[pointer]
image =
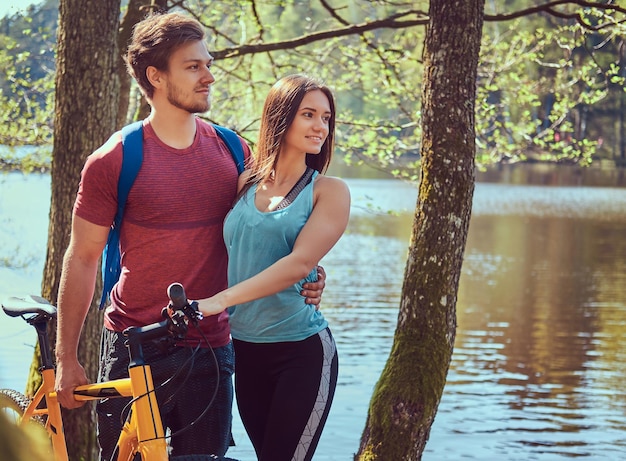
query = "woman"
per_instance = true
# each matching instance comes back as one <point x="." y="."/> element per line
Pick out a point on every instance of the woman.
<point x="287" y="217"/>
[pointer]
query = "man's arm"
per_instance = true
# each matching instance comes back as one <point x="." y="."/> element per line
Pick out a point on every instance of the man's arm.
<point x="76" y="289"/>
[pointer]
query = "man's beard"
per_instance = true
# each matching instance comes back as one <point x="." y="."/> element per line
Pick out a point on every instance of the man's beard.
<point x="175" y="99"/>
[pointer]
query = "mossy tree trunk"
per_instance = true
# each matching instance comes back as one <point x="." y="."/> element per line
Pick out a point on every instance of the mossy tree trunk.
<point x="407" y="395"/>
<point x="86" y="103"/>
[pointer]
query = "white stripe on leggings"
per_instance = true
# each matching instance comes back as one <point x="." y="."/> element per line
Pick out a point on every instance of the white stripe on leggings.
<point x="315" y="418"/>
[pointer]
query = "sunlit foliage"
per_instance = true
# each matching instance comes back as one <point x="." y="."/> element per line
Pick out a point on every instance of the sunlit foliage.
<point x="550" y="87"/>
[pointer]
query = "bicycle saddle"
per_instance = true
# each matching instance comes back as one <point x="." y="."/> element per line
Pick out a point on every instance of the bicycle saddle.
<point x="15" y="306"/>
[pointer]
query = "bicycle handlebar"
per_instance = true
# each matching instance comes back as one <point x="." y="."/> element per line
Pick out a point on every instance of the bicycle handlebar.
<point x="177" y="295"/>
<point x="178" y="314"/>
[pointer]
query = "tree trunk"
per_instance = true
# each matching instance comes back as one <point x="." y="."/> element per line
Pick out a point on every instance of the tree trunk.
<point x="86" y="102"/>
<point x="136" y="11"/>
<point x="620" y="158"/>
<point x="408" y="393"/>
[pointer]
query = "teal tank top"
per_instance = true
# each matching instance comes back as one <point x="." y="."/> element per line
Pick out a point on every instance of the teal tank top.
<point x="255" y="240"/>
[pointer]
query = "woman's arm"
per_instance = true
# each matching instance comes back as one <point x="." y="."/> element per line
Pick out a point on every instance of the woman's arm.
<point x="328" y="221"/>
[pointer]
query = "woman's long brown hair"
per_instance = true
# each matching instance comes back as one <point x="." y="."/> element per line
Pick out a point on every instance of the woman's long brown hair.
<point x="280" y="109"/>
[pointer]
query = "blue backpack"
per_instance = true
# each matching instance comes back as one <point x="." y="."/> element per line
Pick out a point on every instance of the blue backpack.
<point x="132" y="146"/>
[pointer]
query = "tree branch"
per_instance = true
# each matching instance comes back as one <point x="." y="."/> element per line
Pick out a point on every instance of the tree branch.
<point x="392" y="22"/>
<point x="549" y="8"/>
<point x="333" y="12"/>
<point x="419" y="18"/>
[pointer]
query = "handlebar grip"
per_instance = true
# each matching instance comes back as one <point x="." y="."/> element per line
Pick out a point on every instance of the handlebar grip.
<point x="177" y="295"/>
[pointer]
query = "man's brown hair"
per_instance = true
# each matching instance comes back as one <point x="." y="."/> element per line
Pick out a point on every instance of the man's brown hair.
<point x="154" y="40"/>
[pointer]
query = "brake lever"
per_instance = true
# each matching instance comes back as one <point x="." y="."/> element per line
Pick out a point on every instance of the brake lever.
<point x="192" y="312"/>
<point x="177" y="324"/>
<point x="180" y="303"/>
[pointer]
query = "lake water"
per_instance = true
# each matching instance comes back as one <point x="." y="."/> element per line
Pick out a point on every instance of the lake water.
<point x="539" y="363"/>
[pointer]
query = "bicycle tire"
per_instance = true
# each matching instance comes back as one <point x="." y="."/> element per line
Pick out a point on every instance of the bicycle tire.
<point x="14" y="404"/>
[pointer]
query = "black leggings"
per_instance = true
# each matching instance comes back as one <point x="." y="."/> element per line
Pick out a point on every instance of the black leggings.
<point x="284" y="392"/>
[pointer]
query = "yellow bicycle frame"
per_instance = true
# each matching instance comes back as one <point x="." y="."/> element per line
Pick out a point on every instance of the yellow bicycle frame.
<point x="54" y="423"/>
<point x="143" y="430"/>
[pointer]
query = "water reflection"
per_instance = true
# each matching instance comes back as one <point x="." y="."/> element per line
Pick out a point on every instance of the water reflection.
<point x="532" y="335"/>
<point x="540" y="353"/>
<point x="602" y="174"/>
<point x="539" y="360"/>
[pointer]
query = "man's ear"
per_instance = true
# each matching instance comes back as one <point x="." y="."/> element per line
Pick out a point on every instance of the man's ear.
<point x="154" y="75"/>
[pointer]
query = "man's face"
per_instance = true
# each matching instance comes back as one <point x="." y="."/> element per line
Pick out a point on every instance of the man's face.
<point x="189" y="78"/>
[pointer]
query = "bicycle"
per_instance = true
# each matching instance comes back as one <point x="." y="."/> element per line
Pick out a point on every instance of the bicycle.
<point x="143" y="436"/>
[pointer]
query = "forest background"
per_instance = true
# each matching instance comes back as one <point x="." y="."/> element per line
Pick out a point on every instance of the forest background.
<point x="547" y="86"/>
<point x="548" y="89"/>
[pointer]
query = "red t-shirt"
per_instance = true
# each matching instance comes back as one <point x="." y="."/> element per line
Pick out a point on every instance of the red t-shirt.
<point x="172" y="225"/>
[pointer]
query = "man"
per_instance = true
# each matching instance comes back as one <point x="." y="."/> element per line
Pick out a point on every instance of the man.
<point x="171" y="232"/>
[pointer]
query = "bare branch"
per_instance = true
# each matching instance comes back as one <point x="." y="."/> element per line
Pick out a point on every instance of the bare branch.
<point x="194" y="14"/>
<point x="257" y="19"/>
<point x="333" y="12"/>
<point x="392" y="22"/>
<point x="418" y="18"/>
<point x="549" y="8"/>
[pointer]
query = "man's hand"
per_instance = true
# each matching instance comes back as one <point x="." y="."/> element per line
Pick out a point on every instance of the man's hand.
<point x="312" y="291"/>
<point x="68" y="376"/>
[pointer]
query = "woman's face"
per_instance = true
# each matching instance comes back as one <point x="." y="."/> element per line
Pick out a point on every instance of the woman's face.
<point x="309" y="128"/>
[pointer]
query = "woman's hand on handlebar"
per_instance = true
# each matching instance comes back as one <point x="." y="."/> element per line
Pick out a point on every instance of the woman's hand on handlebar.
<point x="218" y="303"/>
<point x="69" y="375"/>
<point x="213" y="305"/>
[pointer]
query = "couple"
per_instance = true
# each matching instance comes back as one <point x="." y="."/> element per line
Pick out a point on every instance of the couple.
<point x="245" y="247"/>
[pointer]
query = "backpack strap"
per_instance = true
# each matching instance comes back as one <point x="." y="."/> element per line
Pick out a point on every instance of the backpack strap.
<point x="132" y="157"/>
<point x="232" y="141"/>
<point x="132" y="148"/>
